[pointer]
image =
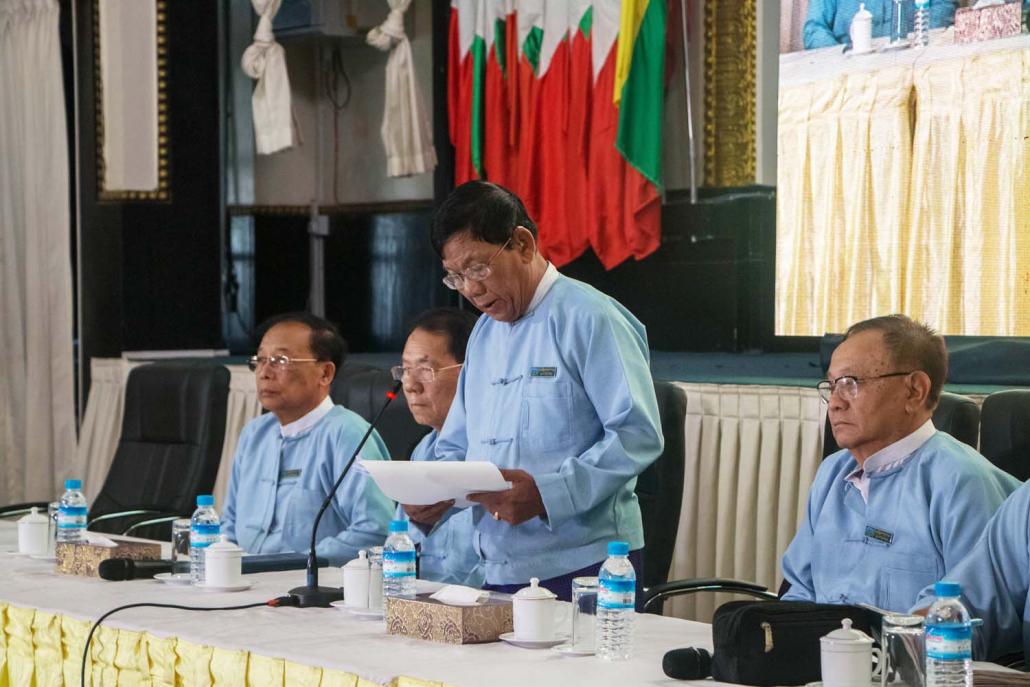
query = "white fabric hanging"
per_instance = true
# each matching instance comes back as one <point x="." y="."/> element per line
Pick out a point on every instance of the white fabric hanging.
<point x="406" y="133"/>
<point x="265" y="61"/>
<point x="37" y="412"/>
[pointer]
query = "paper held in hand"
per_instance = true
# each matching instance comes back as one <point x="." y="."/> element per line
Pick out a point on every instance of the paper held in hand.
<point x="422" y="483"/>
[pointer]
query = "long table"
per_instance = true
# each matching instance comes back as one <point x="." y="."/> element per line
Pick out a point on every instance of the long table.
<point x="44" y="618"/>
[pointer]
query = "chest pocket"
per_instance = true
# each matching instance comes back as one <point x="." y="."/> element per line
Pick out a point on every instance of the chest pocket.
<point x="546" y="415"/>
<point x="902" y="577"/>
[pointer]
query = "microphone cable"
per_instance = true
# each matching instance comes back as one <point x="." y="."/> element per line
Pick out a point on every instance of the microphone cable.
<point x="277" y="602"/>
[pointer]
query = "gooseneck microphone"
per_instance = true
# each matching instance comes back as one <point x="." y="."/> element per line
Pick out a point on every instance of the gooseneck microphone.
<point x="687" y="664"/>
<point x="311" y="595"/>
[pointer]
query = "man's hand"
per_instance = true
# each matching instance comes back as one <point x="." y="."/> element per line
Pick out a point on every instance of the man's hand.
<point x="428" y="515"/>
<point x="516" y="505"/>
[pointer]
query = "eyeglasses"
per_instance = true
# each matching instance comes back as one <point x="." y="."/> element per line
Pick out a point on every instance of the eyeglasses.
<point x="422" y="375"/>
<point x="278" y="362"/>
<point x="847" y="385"/>
<point x="477" y="272"/>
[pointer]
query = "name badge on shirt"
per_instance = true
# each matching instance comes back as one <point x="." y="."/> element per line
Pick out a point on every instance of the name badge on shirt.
<point x="879" y="535"/>
<point x="289" y="474"/>
<point x="543" y="372"/>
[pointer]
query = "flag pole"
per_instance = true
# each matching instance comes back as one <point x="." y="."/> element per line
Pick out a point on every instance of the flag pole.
<point x="692" y="154"/>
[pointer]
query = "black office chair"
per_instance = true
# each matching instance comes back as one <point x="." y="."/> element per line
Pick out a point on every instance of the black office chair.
<point x="1005" y="431"/>
<point x="955" y="414"/>
<point x="362" y="389"/>
<point x="169" y="450"/>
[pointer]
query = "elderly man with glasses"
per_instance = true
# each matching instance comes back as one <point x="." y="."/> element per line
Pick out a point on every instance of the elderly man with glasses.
<point x="288" y="459"/>
<point x="556" y="391"/>
<point x="902" y="503"/>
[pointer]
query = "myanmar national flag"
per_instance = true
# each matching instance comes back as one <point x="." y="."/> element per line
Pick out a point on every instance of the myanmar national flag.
<point x="496" y="21"/>
<point x="465" y="71"/>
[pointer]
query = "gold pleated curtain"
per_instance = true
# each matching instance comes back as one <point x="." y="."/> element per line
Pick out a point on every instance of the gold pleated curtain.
<point x="907" y="189"/>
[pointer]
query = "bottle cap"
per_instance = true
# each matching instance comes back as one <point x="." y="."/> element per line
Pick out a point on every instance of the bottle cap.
<point x="205" y="500"/>
<point x="618" y="548"/>
<point x="398" y="525"/>
<point x="73" y="484"/>
<point x="943" y="589"/>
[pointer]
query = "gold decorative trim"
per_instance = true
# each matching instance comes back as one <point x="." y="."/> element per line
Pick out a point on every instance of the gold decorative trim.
<point x="730" y="62"/>
<point x="163" y="191"/>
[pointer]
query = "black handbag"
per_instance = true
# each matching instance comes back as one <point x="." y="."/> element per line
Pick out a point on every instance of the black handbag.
<point x="777" y="642"/>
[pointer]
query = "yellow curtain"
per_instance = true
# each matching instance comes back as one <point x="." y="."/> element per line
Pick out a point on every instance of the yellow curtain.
<point x="907" y="189"/>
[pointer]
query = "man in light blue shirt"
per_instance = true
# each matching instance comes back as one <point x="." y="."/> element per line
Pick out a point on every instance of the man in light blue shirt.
<point x="431" y="361"/>
<point x="288" y="459"/>
<point x="902" y="503"/>
<point x="556" y="391"/>
<point x="995" y="579"/>
<point x="828" y="22"/>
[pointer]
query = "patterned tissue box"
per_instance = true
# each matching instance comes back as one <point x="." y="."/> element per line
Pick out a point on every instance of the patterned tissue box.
<point x="987" y="23"/>
<point x="84" y="559"/>
<point x="425" y="618"/>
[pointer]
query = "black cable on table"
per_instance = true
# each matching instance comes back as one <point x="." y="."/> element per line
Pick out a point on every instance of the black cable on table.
<point x="274" y="603"/>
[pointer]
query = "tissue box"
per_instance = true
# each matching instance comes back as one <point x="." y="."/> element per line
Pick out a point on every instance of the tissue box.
<point x="84" y="559"/>
<point x="425" y="618"/>
<point x="986" y="23"/>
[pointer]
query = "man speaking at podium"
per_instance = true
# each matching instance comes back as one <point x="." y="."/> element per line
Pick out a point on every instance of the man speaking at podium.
<point x="556" y="391"/>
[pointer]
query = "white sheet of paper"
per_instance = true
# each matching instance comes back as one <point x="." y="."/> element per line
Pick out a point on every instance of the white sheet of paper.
<point x="422" y="483"/>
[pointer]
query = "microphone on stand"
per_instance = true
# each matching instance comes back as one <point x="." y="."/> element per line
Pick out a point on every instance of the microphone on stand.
<point x="311" y="595"/>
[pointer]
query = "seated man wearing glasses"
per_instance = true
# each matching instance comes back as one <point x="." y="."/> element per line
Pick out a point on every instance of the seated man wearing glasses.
<point x="432" y="358"/>
<point x="902" y="503"/>
<point x="556" y="391"/>
<point x="288" y="459"/>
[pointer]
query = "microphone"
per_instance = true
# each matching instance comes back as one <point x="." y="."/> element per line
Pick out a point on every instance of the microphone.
<point x="687" y="664"/>
<point x="311" y="595"/>
<point x="118" y="569"/>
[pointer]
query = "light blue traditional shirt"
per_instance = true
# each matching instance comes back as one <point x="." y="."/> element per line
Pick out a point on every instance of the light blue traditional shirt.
<point x="564" y="393"/>
<point x="923" y="514"/>
<point x="281" y="475"/>
<point x="995" y="579"/>
<point x="828" y="22"/>
<point x="446" y="551"/>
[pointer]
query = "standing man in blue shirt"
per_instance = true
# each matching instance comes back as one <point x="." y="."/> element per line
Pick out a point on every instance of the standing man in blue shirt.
<point x="556" y="391"/>
<point x="900" y="505"/>
<point x="288" y="459"/>
<point x="430" y="364"/>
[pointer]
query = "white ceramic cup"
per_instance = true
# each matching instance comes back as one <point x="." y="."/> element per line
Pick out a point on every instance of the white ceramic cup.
<point x="34" y="534"/>
<point x="533" y="612"/>
<point x="356" y="578"/>
<point x="846" y="658"/>
<point x="223" y="564"/>
<point x="861" y="30"/>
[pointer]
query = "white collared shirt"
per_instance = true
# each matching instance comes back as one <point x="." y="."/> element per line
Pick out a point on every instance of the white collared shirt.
<point x="890" y="456"/>
<point x="546" y="282"/>
<point x="303" y="424"/>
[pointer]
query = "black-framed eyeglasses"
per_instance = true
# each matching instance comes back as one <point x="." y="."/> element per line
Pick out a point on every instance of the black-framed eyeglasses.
<point x="278" y="362"/>
<point x="847" y="386"/>
<point x="421" y="374"/>
<point x="478" y="272"/>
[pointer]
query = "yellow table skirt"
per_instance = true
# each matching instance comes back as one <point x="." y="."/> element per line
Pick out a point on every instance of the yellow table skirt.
<point x="39" y="649"/>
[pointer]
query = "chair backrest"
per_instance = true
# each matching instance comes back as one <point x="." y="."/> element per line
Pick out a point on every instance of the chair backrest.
<point x="362" y="389"/>
<point x="170" y="445"/>
<point x="660" y="487"/>
<point x="1005" y="431"/>
<point x="955" y="414"/>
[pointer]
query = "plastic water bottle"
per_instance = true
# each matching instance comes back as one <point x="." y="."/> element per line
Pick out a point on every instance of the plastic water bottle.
<point x="205" y="528"/>
<point x="922" y="23"/>
<point x="949" y="635"/>
<point x="399" y="562"/>
<point x="71" y="516"/>
<point x="616" y="592"/>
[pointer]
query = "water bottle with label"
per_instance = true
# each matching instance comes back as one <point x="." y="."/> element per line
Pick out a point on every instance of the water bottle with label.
<point x="949" y="639"/>
<point x="616" y="596"/>
<point x="71" y="515"/>
<point x="205" y="527"/>
<point x="399" y="562"/>
<point x="922" y="23"/>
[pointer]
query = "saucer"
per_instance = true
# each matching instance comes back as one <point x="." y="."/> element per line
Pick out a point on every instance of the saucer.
<point x="369" y="613"/>
<point x="177" y="579"/>
<point x="509" y="637"/>
<point x="43" y="557"/>
<point x="233" y="588"/>
<point x="570" y="650"/>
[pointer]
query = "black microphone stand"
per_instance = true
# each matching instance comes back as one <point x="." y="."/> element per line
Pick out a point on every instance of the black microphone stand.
<point x="312" y="595"/>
